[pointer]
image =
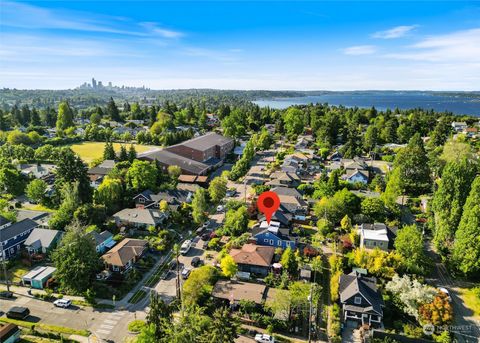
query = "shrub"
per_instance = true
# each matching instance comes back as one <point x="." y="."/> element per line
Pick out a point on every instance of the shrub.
<point x="136" y="326"/>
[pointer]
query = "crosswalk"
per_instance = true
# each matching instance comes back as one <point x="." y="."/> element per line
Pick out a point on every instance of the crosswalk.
<point x="109" y="323"/>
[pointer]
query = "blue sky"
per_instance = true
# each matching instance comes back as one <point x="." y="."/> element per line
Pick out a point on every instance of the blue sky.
<point x="332" y="45"/>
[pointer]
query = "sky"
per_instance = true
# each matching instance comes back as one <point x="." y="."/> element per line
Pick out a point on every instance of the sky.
<point x="311" y="45"/>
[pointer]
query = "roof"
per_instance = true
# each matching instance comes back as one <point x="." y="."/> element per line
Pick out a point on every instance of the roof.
<point x="125" y="251"/>
<point x="239" y="290"/>
<point x="354" y="284"/>
<point x="352" y="172"/>
<point x="17" y="228"/>
<point x="206" y="141"/>
<point x="39" y="273"/>
<point x="175" y="196"/>
<point x="33" y="215"/>
<point x="171" y="159"/>
<point x="101" y="237"/>
<point x="3" y="221"/>
<point x="254" y="255"/>
<point x="39" y="238"/>
<point x="140" y="215"/>
<point x="189" y="187"/>
<point x="7" y="330"/>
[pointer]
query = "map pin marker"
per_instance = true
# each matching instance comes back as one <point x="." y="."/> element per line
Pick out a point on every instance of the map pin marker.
<point x="267" y="203"/>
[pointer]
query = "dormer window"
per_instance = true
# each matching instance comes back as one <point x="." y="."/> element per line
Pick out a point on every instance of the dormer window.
<point x="141" y="200"/>
<point x="357" y="300"/>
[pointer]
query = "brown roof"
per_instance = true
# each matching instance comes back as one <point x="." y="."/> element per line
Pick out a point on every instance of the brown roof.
<point x="7" y="330"/>
<point x="125" y="251"/>
<point x="187" y="178"/>
<point x="239" y="290"/>
<point x="252" y="254"/>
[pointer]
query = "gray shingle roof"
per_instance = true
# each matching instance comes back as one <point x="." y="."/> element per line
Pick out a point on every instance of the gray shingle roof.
<point x="101" y="237"/>
<point x="3" y="221"/>
<point x="206" y="141"/>
<point x="42" y="238"/>
<point x="354" y="284"/>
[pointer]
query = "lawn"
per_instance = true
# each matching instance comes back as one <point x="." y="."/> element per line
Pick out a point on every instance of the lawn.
<point x="471" y="297"/>
<point x="90" y="151"/>
<point x="16" y="271"/>
<point x="37" y="207"/>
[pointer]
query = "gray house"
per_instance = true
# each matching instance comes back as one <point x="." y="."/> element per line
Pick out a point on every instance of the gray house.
<point x="360" y="300"/>
<point x="41" y="241"/>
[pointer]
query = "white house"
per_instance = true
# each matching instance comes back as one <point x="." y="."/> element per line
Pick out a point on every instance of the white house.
<point x="373" y="236"/>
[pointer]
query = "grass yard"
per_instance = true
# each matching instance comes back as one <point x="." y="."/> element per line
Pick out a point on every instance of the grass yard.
<point x="471" y="297"/>
<point x="90" y="151"/>
<point x="37" y="207"/>
<point x="16" y="271"/>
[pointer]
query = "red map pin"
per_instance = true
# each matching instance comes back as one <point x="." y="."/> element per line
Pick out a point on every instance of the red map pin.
<point x="267" y="203"/>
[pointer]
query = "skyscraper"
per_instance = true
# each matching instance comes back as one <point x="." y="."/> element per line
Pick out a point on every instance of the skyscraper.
<point x="94" y="83"/>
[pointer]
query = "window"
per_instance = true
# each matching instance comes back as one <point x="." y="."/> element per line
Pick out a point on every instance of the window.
<point x="357" y="300"/>
<point x="141" y="200"/>
<point x="265" y="240"/>
<point x="271" y="242"/>
<point x="279" y="243"/>
<point x="374" y="244"/>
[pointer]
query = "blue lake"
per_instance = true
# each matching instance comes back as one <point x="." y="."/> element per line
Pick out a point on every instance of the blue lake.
<point x="457" y="104"/>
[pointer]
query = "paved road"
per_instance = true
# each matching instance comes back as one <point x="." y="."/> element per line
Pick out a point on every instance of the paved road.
<point x="466" y="328"/>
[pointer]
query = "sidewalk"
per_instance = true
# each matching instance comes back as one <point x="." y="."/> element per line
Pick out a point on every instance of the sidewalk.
<point x="24" y="292"/>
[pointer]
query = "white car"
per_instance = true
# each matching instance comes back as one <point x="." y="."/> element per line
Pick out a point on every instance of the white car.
<point x="62" y="303"/>
<point x="185" y="247"/>
<point x="220" y="208"/>
<point x="186" y="273"/>
<point x="264" y="338"/>
<point x="446" y="292"/>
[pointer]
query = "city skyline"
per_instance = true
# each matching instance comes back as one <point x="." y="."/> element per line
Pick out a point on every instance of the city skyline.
<point x="249" y="45"/>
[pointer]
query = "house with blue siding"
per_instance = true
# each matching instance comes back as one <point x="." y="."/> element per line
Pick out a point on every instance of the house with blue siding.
<point x="13" y="235"/>
<point x="273" y="235"/>
<point x="103" y="240"/>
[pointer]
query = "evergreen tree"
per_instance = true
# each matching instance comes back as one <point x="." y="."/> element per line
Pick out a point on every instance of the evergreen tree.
<point x="123" y="156"/>
<point x="449" y="199"/>
<point x="112" y="110"/>
<point x="199" y="206"/>
<point x="160" y="314"/>
<point x="223" y="328"/>
<point x="466" y="249"/>
<point x="65" y="116"/>
<point x="35" y="118"/>
<point x="132" y="153"/>
<point x="109" y="152"/>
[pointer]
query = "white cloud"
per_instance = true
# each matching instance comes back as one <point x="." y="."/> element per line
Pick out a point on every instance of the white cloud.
<point x="395" y="32"/>
<point x="360" y="50"/>
<point x="155" y="29"/>
<point x="459" y="47"/>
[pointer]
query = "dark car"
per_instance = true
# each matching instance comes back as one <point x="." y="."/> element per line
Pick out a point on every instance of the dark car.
<point x="196" y="261"/>
<point x="173" y="265"/>
<point x="206" y="236"/>
<point x="18" y="312"/>
<point x="6" y="295"/>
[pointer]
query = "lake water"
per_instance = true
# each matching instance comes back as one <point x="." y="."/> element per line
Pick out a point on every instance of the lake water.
<point x="457" y="104"/>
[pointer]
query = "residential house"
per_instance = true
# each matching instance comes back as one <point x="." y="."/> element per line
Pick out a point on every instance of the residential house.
<point x="283" y="179"/>
<point x="303" y="142"/>
<point x="459" y="126"/>
<point x="37" y="171"/>
<point x="42" y="241"/>
<point x="376" y="235"/>
<point x="9" y="333"/>
<point x="13" y="235"/>
<point x="40" y="217"/>
<point x="96" y="174"/>
<point x="253" y="259"/>
<point x="139" y="218"/>
<point x="102" y="240"/>
<point x="212" y="119"/>
<point x="273" y="235"/>
<point x="210" y="148"/>
<point x="471" y="132"/>
<point x="355" y="175"/>
<point x="360" y="300"/>
<point x="292" y="202"/>
<point x="174" y="198"/>
<point x="235" y="291"/>
<point x="123" y="256"/>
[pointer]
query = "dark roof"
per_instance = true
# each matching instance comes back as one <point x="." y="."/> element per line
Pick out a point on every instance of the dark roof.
<point x="172" y="197"/>
<point x="282" y="233"/>
<point x="279" y="216"/>
<point x="3" y="221"/>
<point x="42" y="238"/>
<point x="206" y="141"/>
<point x="17" y="228"/>
<point x="99" y="171"/>
<point x="355" y="283"/>
<point x="101" y="237"/>
<point x="171" y="159"/>
<point x="33" y="215"/>
<point x="7" y="330"/>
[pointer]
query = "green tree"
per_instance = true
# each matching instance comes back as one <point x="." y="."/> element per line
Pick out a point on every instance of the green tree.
<point x="17" y="137"/>
<point x="36" y="190"/>
<point x="109" y="152"/>
<point x="199" y="206"/>
<point x="160" y="313"/>
<point x="293" y="119"/>
<point x="449" y="199"/>
<point x="229" y="267"/>
<point x="199" y="285"/>
<point x="374" y="208"/>
<point x="11" y="181"/>
<point x="112" y="110"/>
<point x="409" y="244"/>
<point x="289" y="261"/>
<point x="70" y="202"/>
<point x="393" y="189"/>
<point x="217" y="189"/>
<point x="110" y="192"/>
<point x="466" y="248"/>
<point x="370" y="139"/>
<point x="174" y="172"/>
<point x="142" y="175"/>
<point x="132" y="153"/>
<point x="346" y="223"/>
<point x="123" y="156"/>
<point x="64" y="117"/>
<point x="236" y="221"/>
<point x="76" y="260"/>
<point x="223" y="327"/>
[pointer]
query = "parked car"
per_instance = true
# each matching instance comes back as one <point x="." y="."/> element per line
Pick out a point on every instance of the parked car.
<point x="185" y="247"/>
<point x="186" y="273"/>
<point x="220" y="208"/>
<point x="6" y="295"/>
<point x="165" y="275"/>
<point x="264" y="338"/>
<point x="231" y="192"/>
<point x="18" y="312"/>
<point x="173" y="265"/>
<point x="196" y="261"/>
<point x="62" y="303"/>
<point x="206" y="224"/>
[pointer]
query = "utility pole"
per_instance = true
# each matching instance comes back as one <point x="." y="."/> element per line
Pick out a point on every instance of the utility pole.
<point x="310" y="300"/>
<point x="4" y="265"/>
